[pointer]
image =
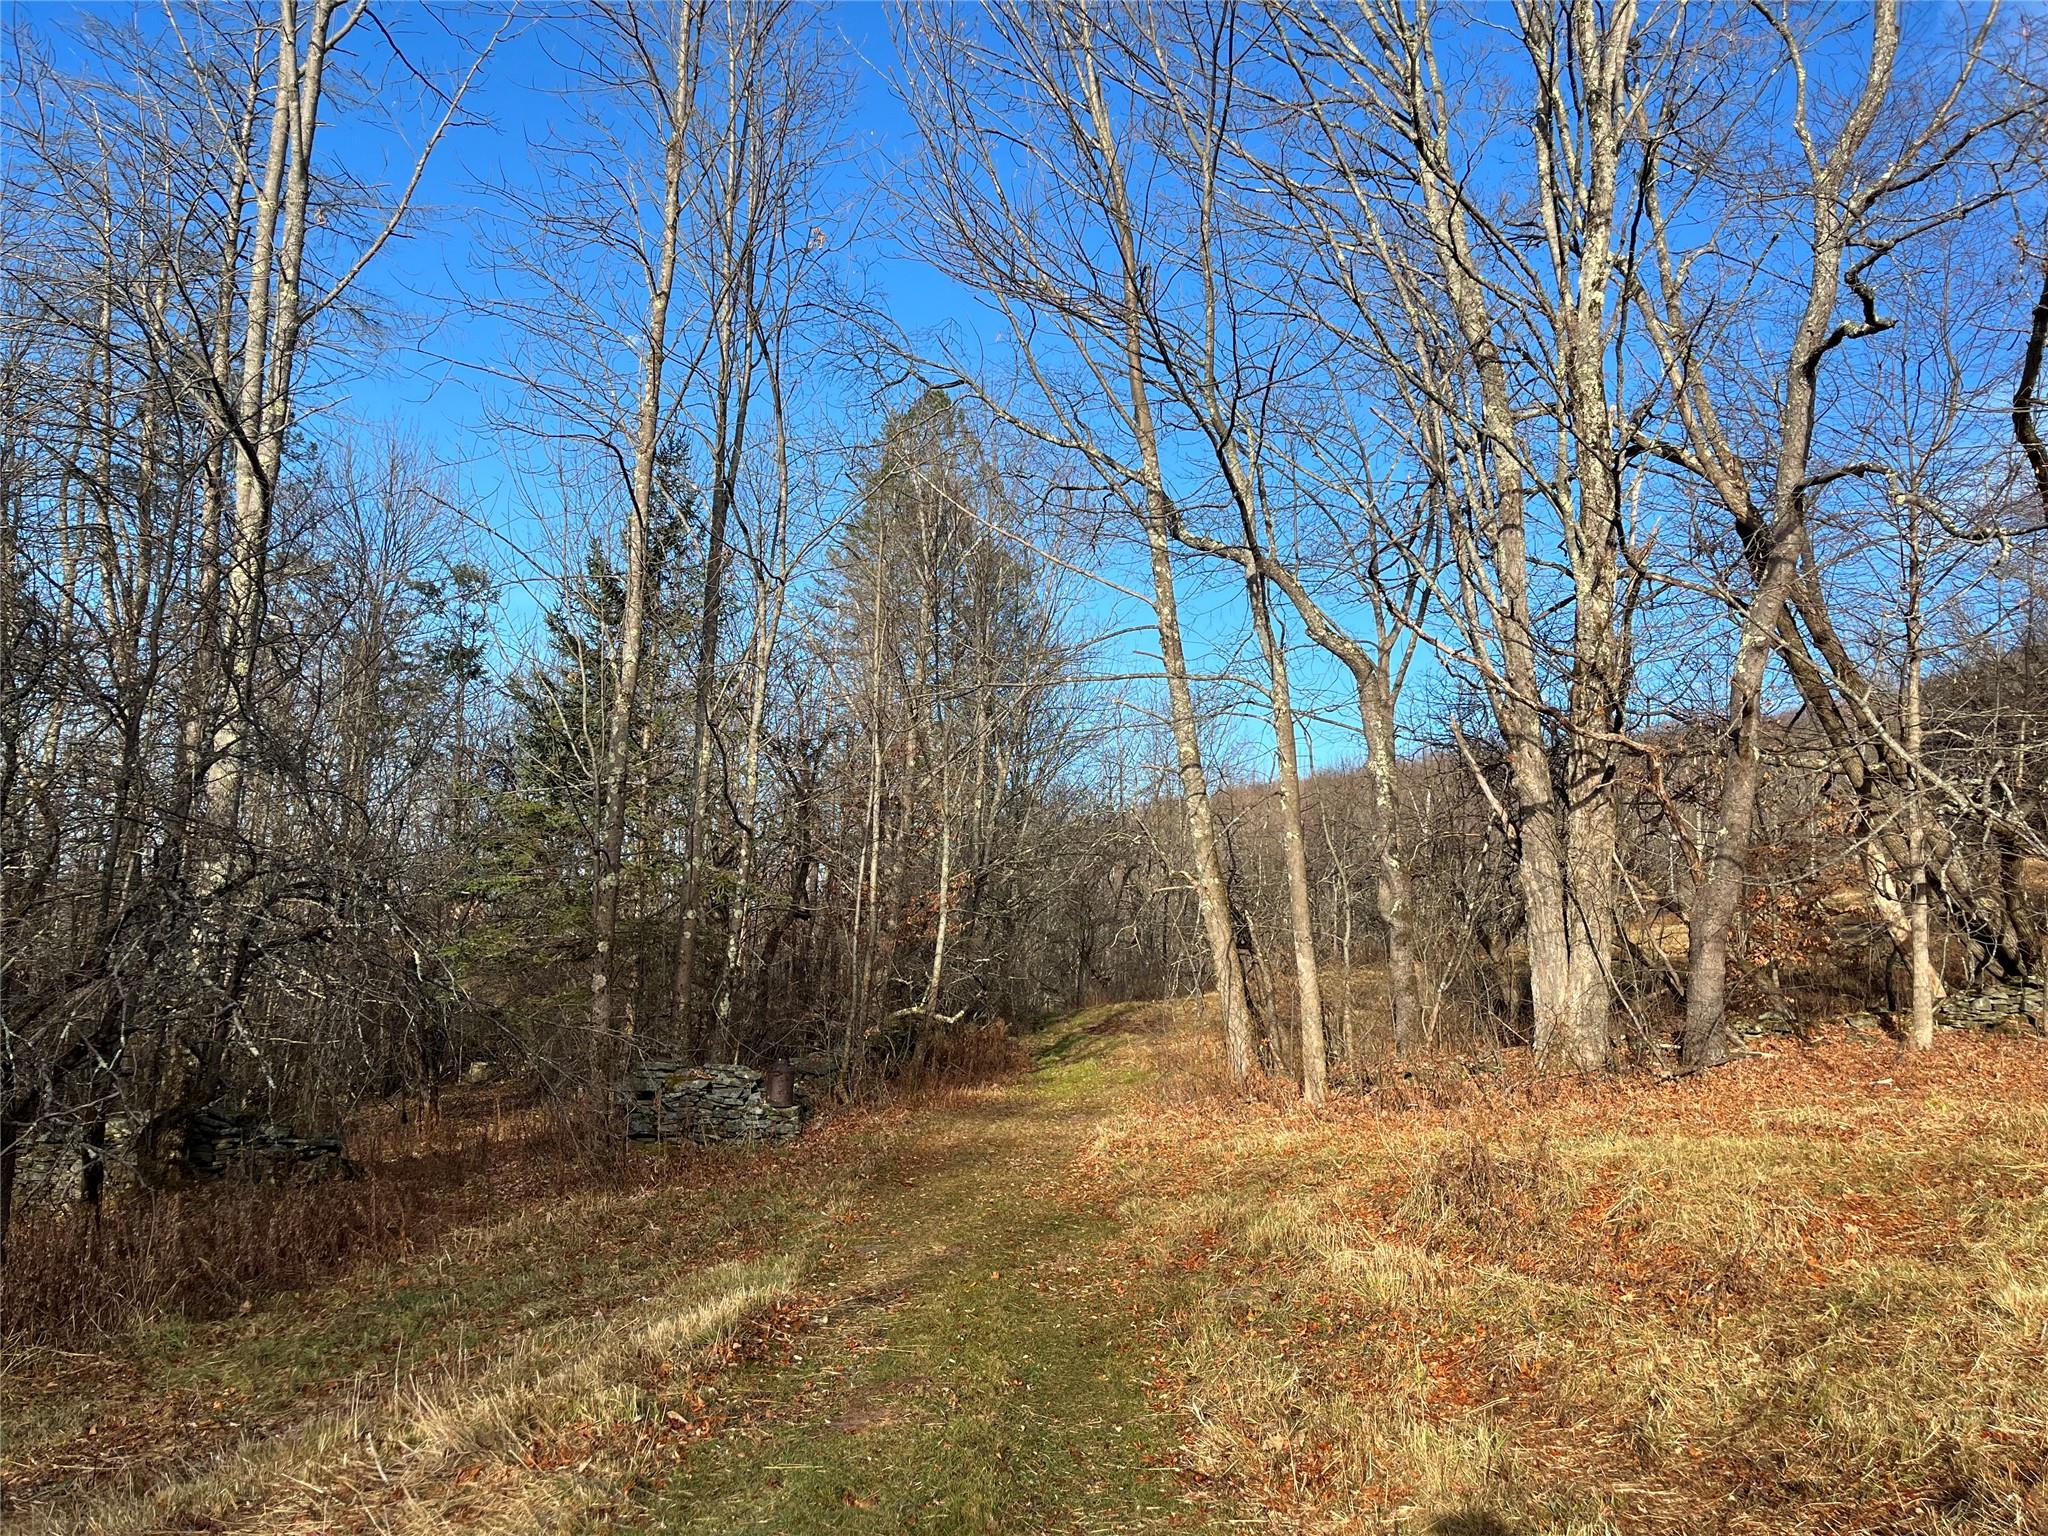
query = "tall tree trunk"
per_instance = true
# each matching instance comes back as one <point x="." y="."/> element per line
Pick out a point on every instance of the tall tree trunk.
<point x="1307" y="976"/>
<point x="1920" y="1023"/>
<point x="615" y="763"/>
<point x="258" y="416"/>
<point x="1211" y="892"/>
<point x="735" y="306"/>
<point x="248" y="420"/>
<point x="767" y="612"/>
<point x="703" y="689"/>
<point x="1556" y="1002"/>
<point x="1775" y="545"/>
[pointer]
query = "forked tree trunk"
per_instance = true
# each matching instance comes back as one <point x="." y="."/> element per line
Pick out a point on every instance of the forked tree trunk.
<point x="1560" y="1001"/>
<point x="1564" y="847"/>
<point x="1391" y="887"/>
<point x="1775" y="559"/>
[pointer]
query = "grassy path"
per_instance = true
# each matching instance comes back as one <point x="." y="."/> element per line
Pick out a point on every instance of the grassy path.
<point x="905" y="1323"/>
<point x="973" y="1364"/>
<point x="1806" y="1295"/>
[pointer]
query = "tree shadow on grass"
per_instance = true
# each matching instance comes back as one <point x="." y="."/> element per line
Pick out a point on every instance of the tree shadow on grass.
<point x="1087" y="1035"/>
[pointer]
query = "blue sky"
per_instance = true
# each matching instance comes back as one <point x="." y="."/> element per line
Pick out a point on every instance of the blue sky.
<point x="430" y="376"/>
<point x="428" y="381"/>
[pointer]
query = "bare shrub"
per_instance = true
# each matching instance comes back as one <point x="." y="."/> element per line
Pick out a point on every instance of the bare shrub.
<point x="1499" y="1199"/>
<point x="961" y="1056"/>
<point x="205" y="1251"/>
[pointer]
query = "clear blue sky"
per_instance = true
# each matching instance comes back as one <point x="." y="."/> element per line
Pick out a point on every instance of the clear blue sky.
<point x="431" y="379"/>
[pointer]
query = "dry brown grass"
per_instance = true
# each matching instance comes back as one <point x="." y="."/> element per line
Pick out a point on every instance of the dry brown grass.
<point x="73" y="1275"/>
<point x="536" y="1436"/>
<point x="1808" y="1293"/>
<point x="1805" y="1294"/>
<point x="958" y="1057"/>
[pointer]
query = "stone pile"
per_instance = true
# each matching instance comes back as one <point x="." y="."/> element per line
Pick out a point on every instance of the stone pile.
<point x="816" y="1072"/>
<point x="51" y="1167"/>
<point x="222" y="1143"/>
<point x="215" y="1144"/>
<point x="675" y="1101"/>
<point x="2014" y="1005"/>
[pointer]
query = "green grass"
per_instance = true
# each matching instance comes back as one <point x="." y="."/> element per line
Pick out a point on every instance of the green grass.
<point x="907" y="1323"/>
<point x="989" y="1377"/>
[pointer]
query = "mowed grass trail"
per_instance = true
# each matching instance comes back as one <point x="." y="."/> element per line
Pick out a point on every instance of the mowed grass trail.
<point x="976" y="1361"/>
<point x="1807" y="1293"/>
<point x="909" y="1322"/>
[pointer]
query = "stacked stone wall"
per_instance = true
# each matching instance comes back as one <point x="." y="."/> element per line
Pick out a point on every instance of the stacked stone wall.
<point x="2015" y="1006"/>
<point x="724" y="1102"/>
<point x="210" y="1145"/>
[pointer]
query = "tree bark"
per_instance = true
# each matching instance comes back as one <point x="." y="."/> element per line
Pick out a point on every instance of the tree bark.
<point x="615" y="763"/>
<point x="1212" y="894"/>
<point x="1775" y="560"/>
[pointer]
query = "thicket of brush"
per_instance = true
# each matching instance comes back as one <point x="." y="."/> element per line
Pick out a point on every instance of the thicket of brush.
<point x="77" y="1272"/>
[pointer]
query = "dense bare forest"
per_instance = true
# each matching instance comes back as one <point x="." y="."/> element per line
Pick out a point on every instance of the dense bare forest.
<point x="534" y="542"/>
<point x="1636" y="459"/>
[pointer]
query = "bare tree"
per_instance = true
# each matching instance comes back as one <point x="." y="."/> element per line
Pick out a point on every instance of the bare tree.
<point x="1079" y="265"/>
<point x="1855" y="193"/>
<point x="764" y="149"/>
<point x="1490" y="335"/>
